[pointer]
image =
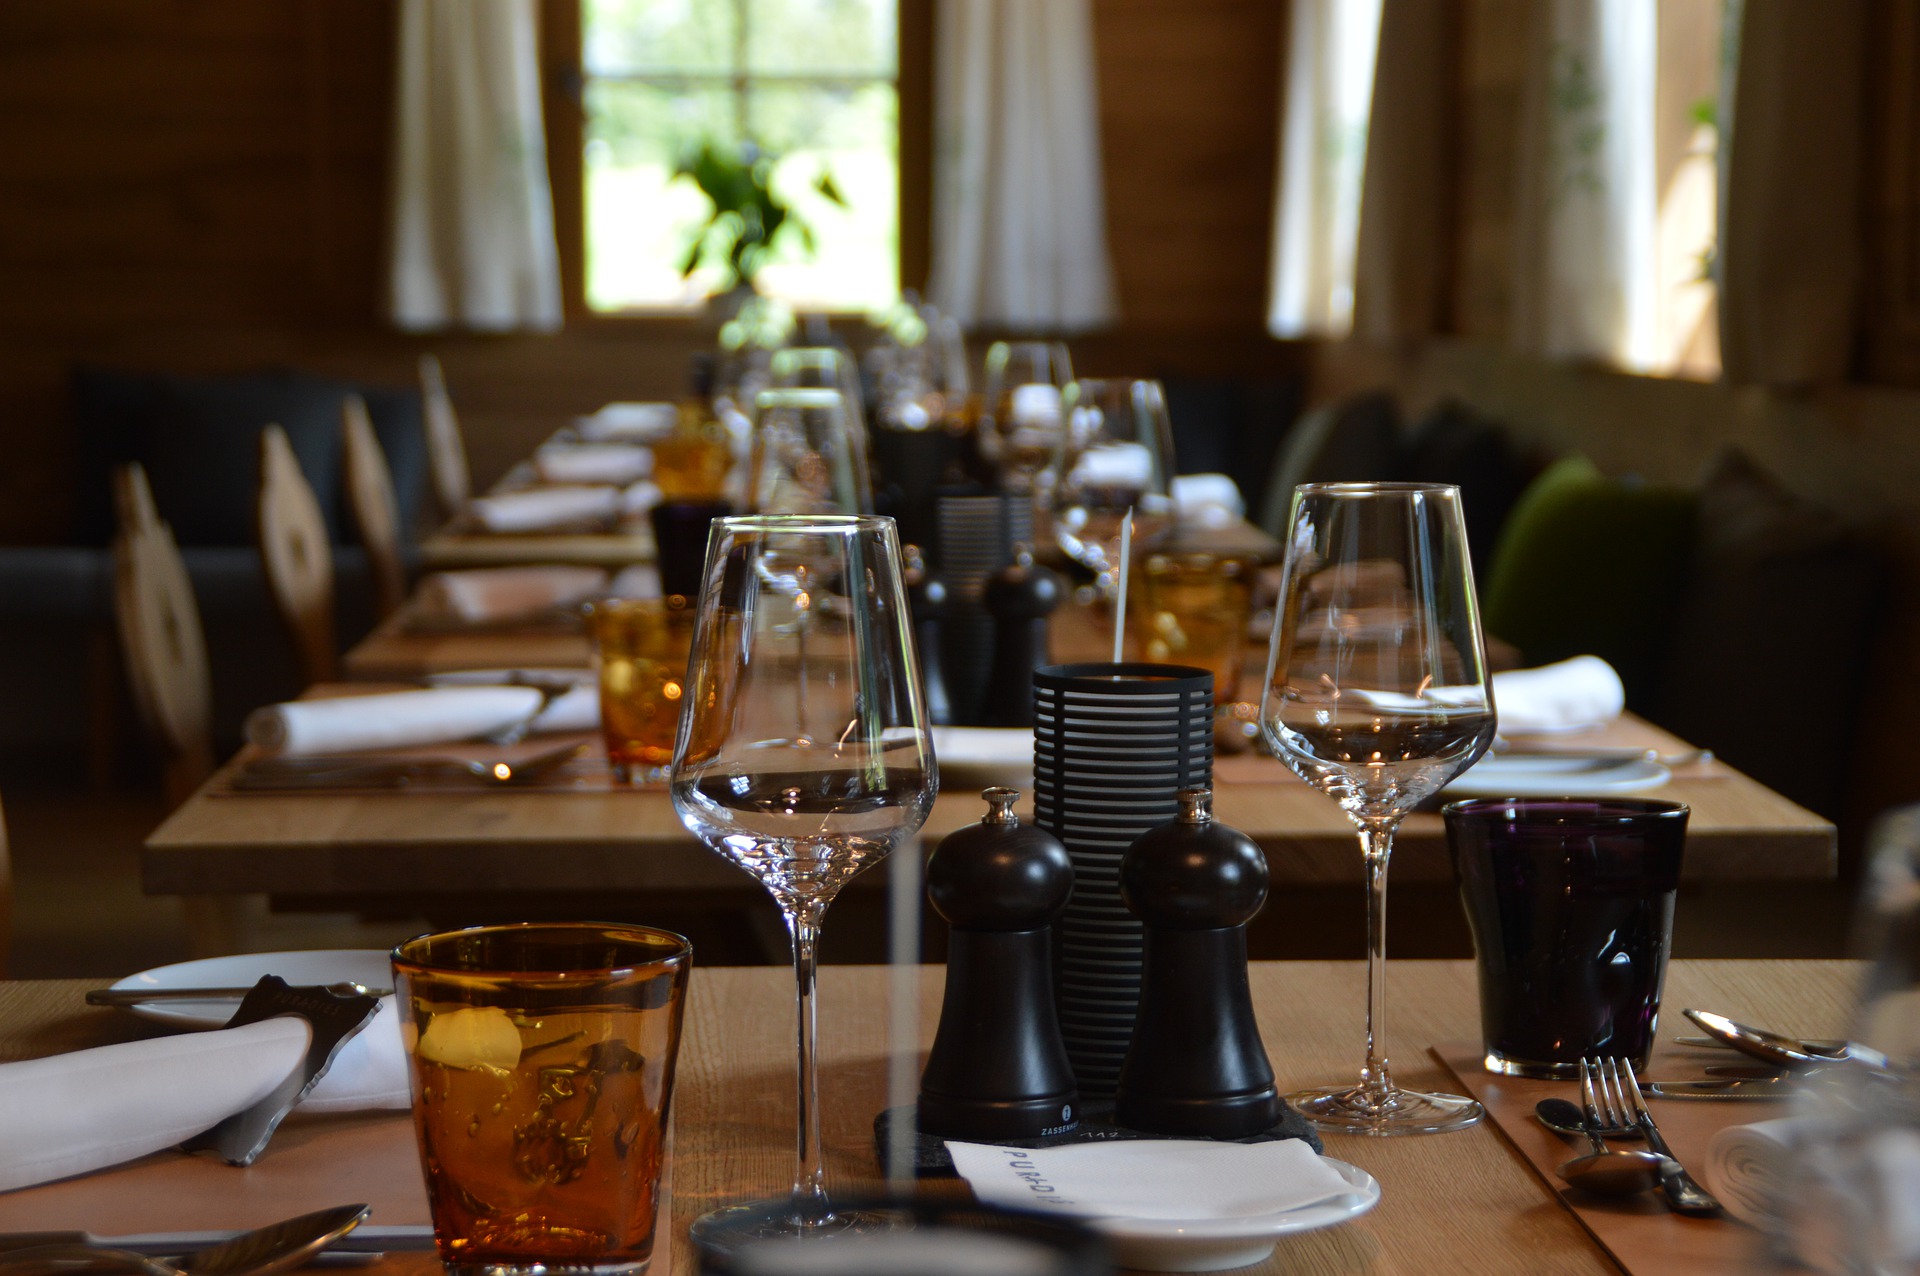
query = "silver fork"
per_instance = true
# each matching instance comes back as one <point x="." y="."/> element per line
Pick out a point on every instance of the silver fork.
<point x="1621" y="1101"/>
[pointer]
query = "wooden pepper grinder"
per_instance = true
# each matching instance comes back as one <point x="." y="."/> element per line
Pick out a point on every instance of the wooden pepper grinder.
<point x="1196" y="1065"/>
<point x="998" y="1069"/>
<point x="927" y="601"/>
<point x="1020" y="597"/>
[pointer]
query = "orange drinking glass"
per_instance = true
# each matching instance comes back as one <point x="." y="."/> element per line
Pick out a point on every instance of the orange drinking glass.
<point x="641" y="645"/>
<point x="542" y="1061"/>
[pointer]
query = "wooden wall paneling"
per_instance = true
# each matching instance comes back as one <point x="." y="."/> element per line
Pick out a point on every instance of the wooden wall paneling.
<point x="1891" y="307"/>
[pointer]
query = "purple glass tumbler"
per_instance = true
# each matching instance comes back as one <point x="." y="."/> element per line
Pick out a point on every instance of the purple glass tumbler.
<point x="1570" y="901"/>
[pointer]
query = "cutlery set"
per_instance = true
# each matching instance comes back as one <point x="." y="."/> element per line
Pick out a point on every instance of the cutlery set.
<point x="357" y="771"/>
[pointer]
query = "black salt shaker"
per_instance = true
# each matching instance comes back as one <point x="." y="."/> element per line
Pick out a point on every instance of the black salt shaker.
<point x="1196" y="1065"/>
<point x="1020" y="597"/>
<point x="998" y="1069"/>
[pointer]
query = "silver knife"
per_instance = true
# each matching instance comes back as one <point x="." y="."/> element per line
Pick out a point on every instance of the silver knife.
<point x="364" y="1244"/>
<point x="1745" y="1089"/>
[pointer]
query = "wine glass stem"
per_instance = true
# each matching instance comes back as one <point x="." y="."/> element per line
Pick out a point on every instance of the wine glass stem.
<point x="810" y="1203"/>
<point x="1376" y="845"/>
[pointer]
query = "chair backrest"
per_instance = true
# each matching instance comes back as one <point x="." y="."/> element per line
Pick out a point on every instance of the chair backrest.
<point x="446" y="449"/>
<point x="375" y="512"/>
<point x="297" y="556"/>
<point x="160" y="635"/>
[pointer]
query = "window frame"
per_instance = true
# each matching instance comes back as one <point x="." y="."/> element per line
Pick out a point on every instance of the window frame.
<point x="563" y="91"/>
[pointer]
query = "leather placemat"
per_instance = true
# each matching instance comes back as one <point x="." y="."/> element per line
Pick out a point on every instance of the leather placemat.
<point x="1641" y="1234"/>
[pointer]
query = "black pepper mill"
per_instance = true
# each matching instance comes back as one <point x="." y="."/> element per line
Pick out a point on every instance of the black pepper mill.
<point x="1020" y="597"/>
<point x="927" y="601"/>
<point x="998" y="1069"/>
<point x="1196" y="1065"/>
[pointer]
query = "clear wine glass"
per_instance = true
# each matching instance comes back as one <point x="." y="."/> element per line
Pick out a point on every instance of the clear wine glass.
<point x="803" y="757"/>
<point x="1377" y="695"/>
<point x="1115" y="454"/>
<point x="820" y="367"/>
<point x="808" y="457"/>
<point x="1021" y="421"/>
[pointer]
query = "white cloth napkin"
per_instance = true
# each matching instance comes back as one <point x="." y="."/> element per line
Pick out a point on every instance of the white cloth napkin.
<point x="1207" y="500"/>
<point x="1010" y="747"/>
<point x="502" y="593"/>
<point x="1750" y="1168"/>
<point x="1114" y="465"/>
<point x="575" y="710"/>
<point x="77" y="1112"/>
<point x="639" y="497"/>
<point x="1035" y="405"/>
<point x="616" y="463"/>
<point x="1580" y="692"/>
<point x="388" y="720"/>
<point x="1151" y="1178"/>
<point x="635" y="422"/>
<point x="540" y="508"/>
<point x="642" y="580"/>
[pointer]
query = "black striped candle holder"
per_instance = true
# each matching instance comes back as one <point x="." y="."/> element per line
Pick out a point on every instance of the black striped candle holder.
<point x="1113" y="746"/>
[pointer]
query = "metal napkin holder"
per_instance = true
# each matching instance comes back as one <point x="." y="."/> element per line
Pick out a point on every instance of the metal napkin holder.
<point x="334" y="1017"/>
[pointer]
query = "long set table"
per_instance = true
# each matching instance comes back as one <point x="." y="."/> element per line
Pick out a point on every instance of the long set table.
<point x="1462" y="1202"/>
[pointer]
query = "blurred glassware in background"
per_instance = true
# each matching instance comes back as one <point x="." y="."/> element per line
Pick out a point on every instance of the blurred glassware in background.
<point x="808" y="457"/>
<point x="1020" y="418"/>
<point x="1192" y="609"/>
<point x="820" y="367"/>
<point x="1113" y="455"/>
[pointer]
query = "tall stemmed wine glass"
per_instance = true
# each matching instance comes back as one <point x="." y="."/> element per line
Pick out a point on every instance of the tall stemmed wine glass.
<point x="1115" y="456"/>
<point x="808" y="457"/>
<point x="803" y="757"/>
<point x="1377" y="695"/>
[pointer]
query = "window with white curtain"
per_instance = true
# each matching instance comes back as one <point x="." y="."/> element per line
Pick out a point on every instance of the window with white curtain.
<point x="812" y="83"/>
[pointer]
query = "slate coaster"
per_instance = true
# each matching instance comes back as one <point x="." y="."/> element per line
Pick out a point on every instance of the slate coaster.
<point x="930" y="1159"/>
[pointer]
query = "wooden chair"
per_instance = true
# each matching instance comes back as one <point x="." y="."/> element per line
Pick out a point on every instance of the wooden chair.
<point x="375" y="512"/>
<point x="446" y="449"/>
<point x="160" y="636"/>
<point x="298" y="558"/>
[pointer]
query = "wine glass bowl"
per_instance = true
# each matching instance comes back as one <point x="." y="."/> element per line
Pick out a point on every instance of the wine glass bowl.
<point x="1021" y="421"/>
<point x="803" y="757"/>
<point x="1377" y="695"/>
<point x="808" y="455"/>
<point x="1114" y="456"/>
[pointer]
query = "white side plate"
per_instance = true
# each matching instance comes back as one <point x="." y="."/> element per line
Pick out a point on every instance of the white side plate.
<point x="1537" y="776"/>
<point x="1215" y="1244"/>
<point x="368" y="966"/>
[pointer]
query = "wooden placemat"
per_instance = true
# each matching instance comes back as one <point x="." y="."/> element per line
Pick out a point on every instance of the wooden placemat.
<point x="1641" y="1234"/>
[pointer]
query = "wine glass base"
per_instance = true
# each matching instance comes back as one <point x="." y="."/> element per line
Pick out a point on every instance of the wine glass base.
<point x="726" y="1231"/>
<point x="1351" y="1110"/>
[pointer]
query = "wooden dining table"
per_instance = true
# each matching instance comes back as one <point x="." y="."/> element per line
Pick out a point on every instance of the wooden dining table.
<point x="1472" y="1201"/>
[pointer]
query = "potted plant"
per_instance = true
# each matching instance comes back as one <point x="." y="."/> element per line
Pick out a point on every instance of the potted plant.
<point x="747" y="216"/>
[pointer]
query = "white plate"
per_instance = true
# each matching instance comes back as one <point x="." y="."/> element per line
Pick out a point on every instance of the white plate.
<point x="1214" y="1244"/>
<point x="1536" y="776"/>
<point x="367" y="966"/>
<point x="981" y="757"/>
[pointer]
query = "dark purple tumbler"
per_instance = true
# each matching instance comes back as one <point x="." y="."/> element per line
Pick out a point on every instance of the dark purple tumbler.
<point x="1571" y="905"/>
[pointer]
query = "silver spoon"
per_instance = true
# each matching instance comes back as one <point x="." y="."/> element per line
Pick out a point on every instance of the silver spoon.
<point x="1782" y="1051"/>
<point x="1606" y="1171"/>
<point x="1564" y="1118"/>
<point x="276" y="1247"/>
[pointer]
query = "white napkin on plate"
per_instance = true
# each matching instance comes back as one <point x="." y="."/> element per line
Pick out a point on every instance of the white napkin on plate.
<point x="83" y="1111"/>
<point x="638" y="422"/>
<point x="1207" y="500"/>
<point x="1750" y="1168"/>
<point x="617" y="463"/>
<point x="641" y="580"/>
<point x="388" y="720"/>
<point x="638" y="498"/>
<point x="1151" y="1178"/>
<point x="1114" y="465"/>
<point x="1581" y="692"/>
<point x="575" y="710"/>
<point x="503" y="593"/>
<point x="542" y="508"/>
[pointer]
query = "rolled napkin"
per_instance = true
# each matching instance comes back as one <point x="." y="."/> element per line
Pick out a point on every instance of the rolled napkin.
<point x="388" y="720"/>
<point x="1207" y="500"/>
<point x="642" y="580"/>
<point x="616" y="463"/>
<point x="575" y="710"/>
<point x="1580" y="692"/>
<point x="83" y="1111"/>
<point x="628" y="422"/>
<point x="1751" y="1168"/>
<point x="543" y="508"/>
<point x="1121" y="465"/>
<point x="1035" y="405"/>
<point x="1151" y="1178"/>
<point x="638" y="498"/>
<point x="503" y="593"/>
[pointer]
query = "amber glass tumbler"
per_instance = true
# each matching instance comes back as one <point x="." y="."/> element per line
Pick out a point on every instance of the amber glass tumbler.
<point x="641" y="645"/>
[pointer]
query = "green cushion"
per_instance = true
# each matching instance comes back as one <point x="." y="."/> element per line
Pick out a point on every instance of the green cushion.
<point x="1592" y="565"/>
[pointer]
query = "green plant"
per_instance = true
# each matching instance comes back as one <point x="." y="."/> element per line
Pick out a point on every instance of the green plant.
<point x="747" y="215"/>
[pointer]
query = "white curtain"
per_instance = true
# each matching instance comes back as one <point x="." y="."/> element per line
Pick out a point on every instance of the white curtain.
<point x="1019" y="219"/>
<point x="1585" y="278"/>
<point x="1327" y="87"/>
<point x="472" y="215"/>
<point x="1789" y="261"/>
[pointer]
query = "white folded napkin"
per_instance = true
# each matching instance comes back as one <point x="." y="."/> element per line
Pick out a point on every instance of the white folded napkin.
<point x="1583" y="691"/>
<point x="575" y="710"/>
<point x="388" y="720"/>
<point x="77" y="1112"/>
<point x="617" y="463"/>
<point x="642" y="580"/>
<point x="983" y="747"/>
<point x="1751" y="1169"/>
<point x="1207" y="500"/>
<point x="1035" y="405"/>
<point x="540" y="508"/>
<point x="1151" y="1178"/>
<point x="639" y="497"/>
<point x="502" y="593"/>
<point x="637" y="422"/>
<point x="1114" y="465"/>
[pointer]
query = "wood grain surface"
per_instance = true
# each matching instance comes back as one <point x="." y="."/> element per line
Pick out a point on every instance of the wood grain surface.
<point x="1464" y="1202"/>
